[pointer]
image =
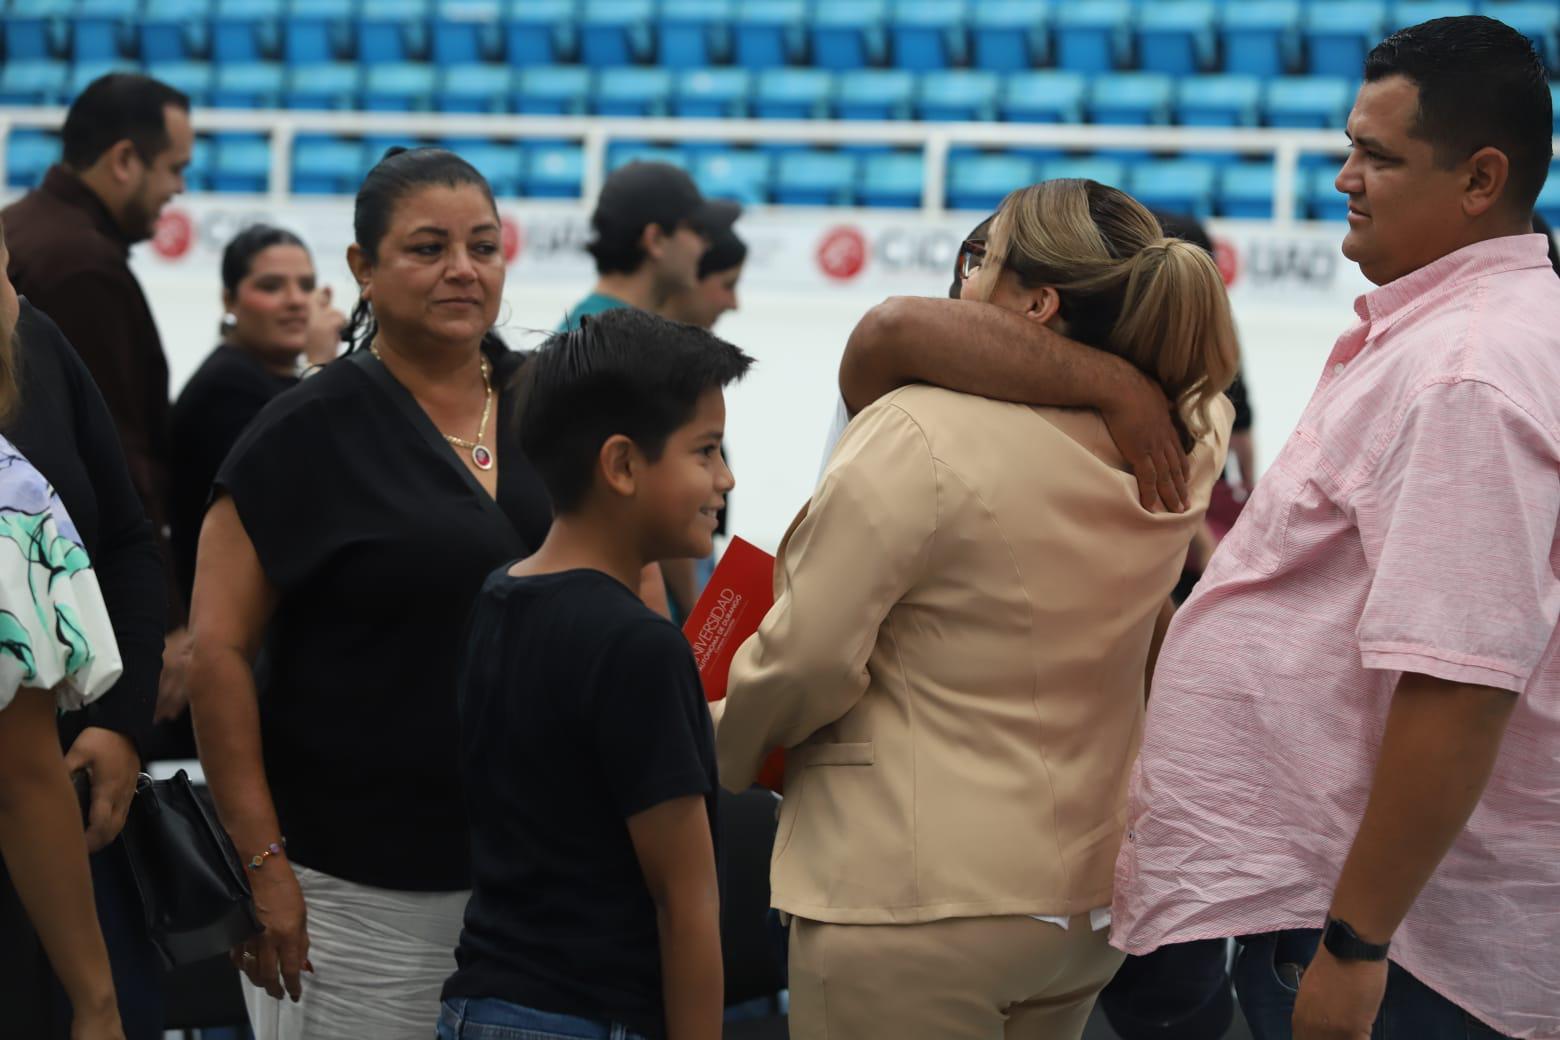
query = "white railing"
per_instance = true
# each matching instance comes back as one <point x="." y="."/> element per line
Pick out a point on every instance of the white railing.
<point x="1284" y="147"/>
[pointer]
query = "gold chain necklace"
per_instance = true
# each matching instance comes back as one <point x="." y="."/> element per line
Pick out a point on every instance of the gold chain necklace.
<point x="480" y="455"/>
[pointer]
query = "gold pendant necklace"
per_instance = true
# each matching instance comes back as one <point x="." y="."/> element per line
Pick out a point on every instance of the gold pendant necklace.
<point x="480" y="455"/>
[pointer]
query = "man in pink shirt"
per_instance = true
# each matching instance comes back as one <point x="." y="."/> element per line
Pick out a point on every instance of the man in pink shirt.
<point x="1352" y="750"/>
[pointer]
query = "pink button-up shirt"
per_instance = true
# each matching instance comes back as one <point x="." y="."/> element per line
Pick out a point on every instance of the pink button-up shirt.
<point x="1409" y="525"/>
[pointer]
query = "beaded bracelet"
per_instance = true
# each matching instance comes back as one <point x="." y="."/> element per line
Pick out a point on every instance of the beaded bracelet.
<point x="273" y="849"/>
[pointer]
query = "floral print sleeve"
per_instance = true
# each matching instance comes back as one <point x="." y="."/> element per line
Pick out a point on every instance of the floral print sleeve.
<point x="54" y="627"/>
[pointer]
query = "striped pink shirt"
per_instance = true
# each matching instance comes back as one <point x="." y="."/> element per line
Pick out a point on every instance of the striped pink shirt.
<point x="1409" y="525"/>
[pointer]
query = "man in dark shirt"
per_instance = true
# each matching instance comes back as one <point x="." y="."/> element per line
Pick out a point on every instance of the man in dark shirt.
<point x="127" y="140"/>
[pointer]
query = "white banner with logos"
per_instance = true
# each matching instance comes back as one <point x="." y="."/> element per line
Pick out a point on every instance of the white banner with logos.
<point x="811" y="273"/>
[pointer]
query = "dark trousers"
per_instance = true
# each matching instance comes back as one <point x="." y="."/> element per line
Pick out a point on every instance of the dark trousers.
<point x="1178" y="992"/>
<point x="1265" y="982"/>
<point x="34" y="1003"/>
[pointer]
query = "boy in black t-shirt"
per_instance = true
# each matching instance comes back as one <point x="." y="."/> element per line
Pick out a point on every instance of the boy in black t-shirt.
<point x="587" y="750"/>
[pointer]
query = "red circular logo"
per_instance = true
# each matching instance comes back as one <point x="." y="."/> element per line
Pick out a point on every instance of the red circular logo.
<point x="842" y="253"/>
<point x="174" y="234"/>
<point x="512" y="238"/>
<point x="1228" y="259"/>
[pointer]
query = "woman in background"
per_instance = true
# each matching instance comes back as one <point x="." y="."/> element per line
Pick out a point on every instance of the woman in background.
<point x="275" y="317"/>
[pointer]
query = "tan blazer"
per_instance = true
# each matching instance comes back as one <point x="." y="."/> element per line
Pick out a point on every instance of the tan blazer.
<point x="955" y="659"/>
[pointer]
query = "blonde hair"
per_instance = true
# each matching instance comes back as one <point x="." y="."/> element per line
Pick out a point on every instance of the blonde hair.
<point x="1123" y="286"/>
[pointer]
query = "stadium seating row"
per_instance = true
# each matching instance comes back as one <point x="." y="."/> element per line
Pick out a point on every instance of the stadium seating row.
<point x="1176" y="37"/>
<point x="800" y="176"/>
<point x="1125" y="98"/>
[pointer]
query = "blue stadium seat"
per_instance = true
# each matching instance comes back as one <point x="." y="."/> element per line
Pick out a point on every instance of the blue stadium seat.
<point x="1554" y="105"/>
<point x="1105" y="170"/>
<point x="1339" y="33"/>
<point x="1261" y="37"/>
<point x="1218" y="101"/>
<point x="718" y="93"/>
<point x="1311" y="102"/>
<point x="400" y="87"/>
<point x="815" y="178"/>
<point x="1412" y="12"/>
<point x="768" y="34"/>
<point x="793" y="94"/>
<point x="28" y="156"/>
<point x="83" y="74"/>
<point x="849" y="34"/>
<point x="501" y="162"/>
<point x="981" y="182"/>
<point x="533" y="33"/>
<point x="929" y="34"/>
<point x="691" y="33"/>
<point x="1176" y="36"/>
<point x="474" y="88"/>
<point x="34" y="82"/>
<point x="615" y="32"/>
<point x="174" y="30"/>
<point x="1174" y="186"/>
<point x="249" y="85"/>
<point x="737" y="174"/>
<point x="242" y="162"/>
<point x="554" y="171"/>
<point x="1538" y="21"/>
<point x="552" y="90"/>
<point x="100" y="28"/>
<point x="1246" y="190"/>
<point x="244" y="30"/>
<point x="875" y="94"/>
<point x="332" y="85"/>
<point x="1321" y="197"/>
<point x="194" y="78"/>
<point x="1044" y="97"/>
<point x="633" y="91"/>
<point x="328" y="165"/>
<point x="891" y="179"/>
<point x="36" y="30"/>
<point x="1131" y="99"/>
<point x="1091" y="35"/>
<point x="464" y="32"/>
<point x="318" y="31"/>
<point x="958" y="95"/>
<point x="197" y="175"/>
<point x="393" y="31"/>
<point x="1010" y="36"/>
<point x="1548" y="205"/>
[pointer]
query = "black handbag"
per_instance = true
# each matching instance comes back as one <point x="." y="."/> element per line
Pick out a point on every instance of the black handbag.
<point x="194" y="896"/>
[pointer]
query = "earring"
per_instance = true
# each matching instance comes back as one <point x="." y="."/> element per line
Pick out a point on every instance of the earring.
<point x="229" y="321"/>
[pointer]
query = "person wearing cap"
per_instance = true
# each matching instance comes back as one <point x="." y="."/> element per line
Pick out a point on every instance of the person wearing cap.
<point x="720" y="269"/>
<point x="648" y="239"/>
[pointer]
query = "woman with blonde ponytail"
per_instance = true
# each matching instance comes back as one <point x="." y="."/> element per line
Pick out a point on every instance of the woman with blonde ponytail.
<point x="958" y="654"/>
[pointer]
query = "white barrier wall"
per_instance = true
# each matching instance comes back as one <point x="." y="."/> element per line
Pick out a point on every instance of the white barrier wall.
<point x="810" y="275"/>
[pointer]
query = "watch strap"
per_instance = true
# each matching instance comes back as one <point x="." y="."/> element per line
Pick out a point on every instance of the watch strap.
<point x="1343" y="943"/>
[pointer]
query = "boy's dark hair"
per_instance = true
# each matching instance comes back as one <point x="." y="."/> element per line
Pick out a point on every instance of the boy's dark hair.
<point x="239" y="256"/>
<point x="116" y="107"/>
<point x="399" y="173"/>
<point x="1481" y="84"/>
<point x="626" y="372"/>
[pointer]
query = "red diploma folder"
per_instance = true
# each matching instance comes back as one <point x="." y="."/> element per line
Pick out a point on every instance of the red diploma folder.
<point x="732" y="606"/>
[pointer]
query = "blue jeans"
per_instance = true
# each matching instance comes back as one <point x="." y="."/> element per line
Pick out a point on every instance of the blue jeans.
<point x="1266" y="983"/>
<point x="490" y="1019"/>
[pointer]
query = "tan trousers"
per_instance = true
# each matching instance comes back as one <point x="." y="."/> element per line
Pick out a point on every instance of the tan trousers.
<point x="976" y="978"/>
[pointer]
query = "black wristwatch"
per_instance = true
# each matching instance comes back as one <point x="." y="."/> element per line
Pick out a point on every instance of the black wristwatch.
<point x="1343" y="944"/>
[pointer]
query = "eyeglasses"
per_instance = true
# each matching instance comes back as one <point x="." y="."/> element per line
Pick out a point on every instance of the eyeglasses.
<point x="971" y="253"/>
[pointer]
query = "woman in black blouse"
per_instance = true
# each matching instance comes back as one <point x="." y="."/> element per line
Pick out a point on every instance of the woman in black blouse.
<point x="352" y="526"/>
